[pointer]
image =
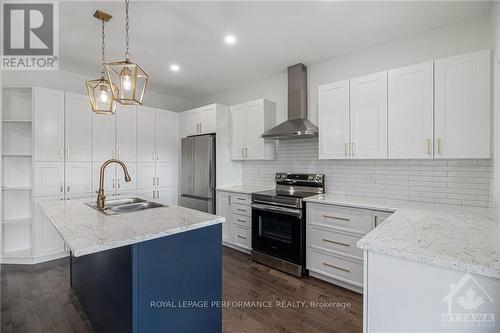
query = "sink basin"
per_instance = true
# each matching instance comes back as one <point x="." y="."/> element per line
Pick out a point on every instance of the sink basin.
<point x="125" y="205"/>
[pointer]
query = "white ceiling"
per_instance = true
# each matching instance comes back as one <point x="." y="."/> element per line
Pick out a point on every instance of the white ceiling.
<point x="271" y="36"/>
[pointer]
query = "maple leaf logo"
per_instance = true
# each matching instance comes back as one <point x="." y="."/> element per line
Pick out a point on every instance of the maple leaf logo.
<point x="470" y="301"/>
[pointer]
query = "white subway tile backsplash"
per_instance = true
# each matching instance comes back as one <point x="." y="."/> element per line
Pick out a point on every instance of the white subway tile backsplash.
<point x="461" y="182"/>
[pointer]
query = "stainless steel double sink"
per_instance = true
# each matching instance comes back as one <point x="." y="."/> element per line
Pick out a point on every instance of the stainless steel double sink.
<point x="125" y="205"/>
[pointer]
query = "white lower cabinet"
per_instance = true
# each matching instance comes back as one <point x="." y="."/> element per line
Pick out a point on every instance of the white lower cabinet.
<point x="48" y="243"/>
<point x="237" y="229"/>
<point x="331" y="236"/>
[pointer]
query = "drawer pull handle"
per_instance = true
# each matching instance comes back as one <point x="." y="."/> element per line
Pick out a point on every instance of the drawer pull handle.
<point x="241" y="210"/>
<point x="240" y="220"/>
<point x="337" y="267"/>
<point x="334" y="242"/>
<point x="336" y="218"/>
<point x="242" y="199"/>
<point x="242" y="237"/>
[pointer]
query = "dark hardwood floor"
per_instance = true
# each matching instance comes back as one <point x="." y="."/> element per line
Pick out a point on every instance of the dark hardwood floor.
<point x="38" y="299"/>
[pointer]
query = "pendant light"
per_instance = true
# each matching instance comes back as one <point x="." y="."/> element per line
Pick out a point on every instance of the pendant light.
<point x="128" y="80"/>
<point x="100" y="90"/>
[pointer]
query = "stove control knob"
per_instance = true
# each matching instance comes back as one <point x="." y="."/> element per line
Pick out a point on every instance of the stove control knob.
<point x="310" y="178"/>
<point x="318" y="178"/>
<point x="283" y="176"/>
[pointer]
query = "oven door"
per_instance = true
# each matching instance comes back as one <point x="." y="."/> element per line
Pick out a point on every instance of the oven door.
<point x="277" y="231"/>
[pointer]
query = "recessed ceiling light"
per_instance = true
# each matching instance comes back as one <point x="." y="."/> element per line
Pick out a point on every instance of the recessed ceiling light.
<point x="174" y="68"/>
<point x="230" y="39"/>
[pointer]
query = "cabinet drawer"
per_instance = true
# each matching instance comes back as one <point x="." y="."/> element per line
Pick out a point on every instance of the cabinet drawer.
<point x="242" y="220"/>
<point x="355" y="220"/>
<point x="337" y="267"/>
<point x="240" y="199"/>
<point x="241" y="236"/>
<point x="333" y="241"/>
<point x="242" y="210"/>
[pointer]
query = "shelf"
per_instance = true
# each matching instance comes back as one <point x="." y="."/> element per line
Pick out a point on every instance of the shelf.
<point x="16" y="121"/>
<point x="17" y="188"/>
<point x="24" y="253"/>
<point x="19" y="220"/>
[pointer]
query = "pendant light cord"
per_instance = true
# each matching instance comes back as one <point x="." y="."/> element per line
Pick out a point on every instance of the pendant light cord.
<point x="127" y="26"/>
<point x="103" y="46"/>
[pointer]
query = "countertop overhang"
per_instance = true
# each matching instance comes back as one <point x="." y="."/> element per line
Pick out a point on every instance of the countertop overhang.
<point x="86" y="230"/>
<point x="458" y="237"/>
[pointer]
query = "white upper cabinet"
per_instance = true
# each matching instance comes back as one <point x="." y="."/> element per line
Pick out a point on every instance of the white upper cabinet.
<point x="411" y="111"/>
<point x="248" y="121"/>
<point x="146" y="137"/>
<point x="103" y="137"/>
<point x="167" y="136"/>
<point x="78" y="176"/>
<point x="462" y="106"/>
<point x="200" y="120"/>
<point x="49" y="125"/>
<point x="49" y="178"/>
<point x="126" y="133"/>
<point x="368" y="104"/>
<point x="333" y="120"/>
<point x="78" y="128"/>
<point x="238" y="131"/>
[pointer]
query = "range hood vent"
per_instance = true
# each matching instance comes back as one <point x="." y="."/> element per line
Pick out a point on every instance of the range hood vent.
<point x="297" y="126"/>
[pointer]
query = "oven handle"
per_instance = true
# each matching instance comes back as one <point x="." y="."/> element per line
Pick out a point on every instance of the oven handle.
<point x="276" y="209"/>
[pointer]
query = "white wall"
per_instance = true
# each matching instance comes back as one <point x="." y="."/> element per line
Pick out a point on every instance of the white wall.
<point x="75" y="83"/>
<point x="447" y="41"/>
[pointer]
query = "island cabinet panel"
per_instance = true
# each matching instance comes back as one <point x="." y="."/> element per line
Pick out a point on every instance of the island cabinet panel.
<point x="147" y="287"/>
<point x="177" y="277"/>
<point x="410" y="296"/>
<point x="103" y="283"/>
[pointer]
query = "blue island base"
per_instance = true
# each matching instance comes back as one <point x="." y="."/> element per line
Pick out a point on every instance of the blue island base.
<point x="169" y="284"/>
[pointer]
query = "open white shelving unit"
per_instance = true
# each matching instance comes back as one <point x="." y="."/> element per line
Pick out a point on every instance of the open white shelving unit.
<point x="17" y="174"/>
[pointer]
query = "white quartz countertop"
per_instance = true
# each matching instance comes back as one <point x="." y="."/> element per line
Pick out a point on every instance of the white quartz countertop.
<point x="87" y="230"/>
<point x="457" y="237"/>
<point x="245" y="189"/>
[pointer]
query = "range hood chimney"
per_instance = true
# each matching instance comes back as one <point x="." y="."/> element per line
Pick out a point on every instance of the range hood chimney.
<point x="297" y="126"/>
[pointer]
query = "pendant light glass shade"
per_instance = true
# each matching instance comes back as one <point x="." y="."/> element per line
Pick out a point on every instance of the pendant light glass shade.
<point x="99" y="91"/>
<point x="101" y="97"/>
<point x="128" y="80"/>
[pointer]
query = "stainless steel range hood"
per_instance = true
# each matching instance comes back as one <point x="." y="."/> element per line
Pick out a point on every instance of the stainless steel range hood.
<point x="297" y="126"/>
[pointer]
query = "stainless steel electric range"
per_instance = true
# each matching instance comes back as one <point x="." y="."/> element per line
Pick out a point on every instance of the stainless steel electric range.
<point x="279" y="221"/>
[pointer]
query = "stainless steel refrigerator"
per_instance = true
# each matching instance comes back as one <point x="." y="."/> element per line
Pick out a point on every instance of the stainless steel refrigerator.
<point x="198" y="173"/>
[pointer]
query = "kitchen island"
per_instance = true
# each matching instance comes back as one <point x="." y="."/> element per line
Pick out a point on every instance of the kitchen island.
<point x="155" y="270"/>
